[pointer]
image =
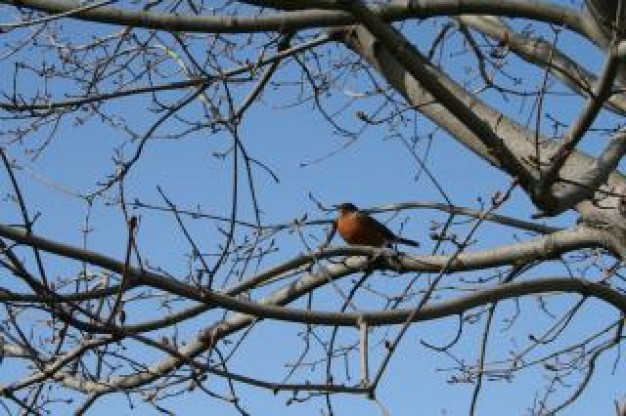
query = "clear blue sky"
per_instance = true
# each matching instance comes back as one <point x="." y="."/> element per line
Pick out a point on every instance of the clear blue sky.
<point x="374" y="170"/>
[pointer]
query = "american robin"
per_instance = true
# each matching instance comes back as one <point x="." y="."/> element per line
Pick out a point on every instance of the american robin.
<point x="357" y="227"/>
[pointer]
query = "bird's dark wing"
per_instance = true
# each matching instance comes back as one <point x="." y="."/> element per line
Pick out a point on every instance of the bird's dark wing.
<point x="385" y="233"/>
<point x="376" y="227"/>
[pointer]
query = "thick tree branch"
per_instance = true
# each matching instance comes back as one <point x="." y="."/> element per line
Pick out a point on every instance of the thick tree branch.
<point x="306" y="19"/>
<point x="441" y="309"/>
<point x="601" y="91"/>
<point x="422" y="70"/>
<point x="546" y="247"/>
<point x="516" y="138"/>
<point x="605" y="15"/>
<point x="542" y="53"/>
<point x="592" y="176"/>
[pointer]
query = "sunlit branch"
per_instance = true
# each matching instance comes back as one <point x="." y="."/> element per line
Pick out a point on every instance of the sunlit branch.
<point x="542" y="248"/>
<point x="601" y="91"/>
<point x="304" y="19"/>
<point x="540" y="52"/>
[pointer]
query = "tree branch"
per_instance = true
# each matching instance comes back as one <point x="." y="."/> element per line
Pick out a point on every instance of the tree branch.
<point x="298" y="20"/>
<point x="516" y="138"/>
<point x="423" y="71"/>
<point x="601" y="91"/>
<point x="542" y="53"/>
<point x="545" y="247"/>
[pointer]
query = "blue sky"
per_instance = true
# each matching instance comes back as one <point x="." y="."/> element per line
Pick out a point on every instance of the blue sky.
<point x="375" y="169"/>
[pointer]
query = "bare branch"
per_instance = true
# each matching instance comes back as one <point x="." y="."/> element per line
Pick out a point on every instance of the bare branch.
<point x="298" y="20"/>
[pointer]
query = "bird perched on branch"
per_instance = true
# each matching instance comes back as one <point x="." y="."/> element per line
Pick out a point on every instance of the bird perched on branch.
<point x="357" y="227"/>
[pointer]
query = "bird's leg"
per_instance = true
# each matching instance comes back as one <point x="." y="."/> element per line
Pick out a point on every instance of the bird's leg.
<point x="393" y="257"/>
<point x="386" y="256"/>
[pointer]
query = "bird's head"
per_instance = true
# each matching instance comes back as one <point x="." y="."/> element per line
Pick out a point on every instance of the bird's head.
<point x="346" y="208"/>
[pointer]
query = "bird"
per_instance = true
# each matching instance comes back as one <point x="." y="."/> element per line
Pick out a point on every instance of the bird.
<point x="357" y="227"/>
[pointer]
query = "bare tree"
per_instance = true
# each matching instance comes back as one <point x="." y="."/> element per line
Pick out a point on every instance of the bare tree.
<point x="170" y="301"/>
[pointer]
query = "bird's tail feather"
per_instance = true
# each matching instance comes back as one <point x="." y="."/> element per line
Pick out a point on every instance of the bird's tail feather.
<point x="407" y="242"/>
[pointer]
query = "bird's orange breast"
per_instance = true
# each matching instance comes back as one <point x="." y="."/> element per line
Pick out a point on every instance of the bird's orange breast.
<point x="359" y="229"/>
